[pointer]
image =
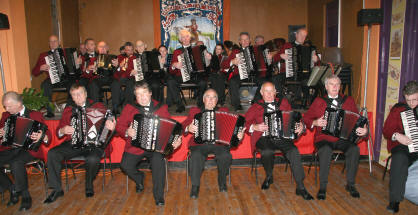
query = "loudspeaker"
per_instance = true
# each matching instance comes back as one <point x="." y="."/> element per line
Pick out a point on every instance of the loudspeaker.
<point x="4" y="22"/>
<point x="370" y="16"/>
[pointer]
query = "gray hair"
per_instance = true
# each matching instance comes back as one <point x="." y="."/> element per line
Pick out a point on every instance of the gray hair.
<point x="210" y="90"/>
<point x="410" y="88"/>
<point x="332" y="77"/>
<point x="13" y="96"/>
<point x="243" y="33"/>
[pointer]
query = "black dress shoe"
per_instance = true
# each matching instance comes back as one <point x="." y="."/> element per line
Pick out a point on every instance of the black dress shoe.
<point x="180" y="109"/>
<point x="304" y="193"/>
<point x="393" y="207"/>
<point x="194" y="193"/>
<point x="267" y="182"/>
<point x="89" y="193"/>
<point x="353" y="191"/>
<point x="160" y="202"/>
<point x="322" y="195"/>
<point x="223" y="188"/>
<point x="14" y="197"/>
<point x="26" y="203"/>
<point x="53" y="196"/>
<point x="139" y="188"/>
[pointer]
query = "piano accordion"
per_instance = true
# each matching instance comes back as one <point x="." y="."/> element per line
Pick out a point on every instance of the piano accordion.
<point x="62" y="62"/>
<point x="90" y="130"/>
<point x="218" y="127"/>
<point x="154" y="133"/>
<point x="141" y="66"/>
<point x="192" y="60"/>
<point x="299" y="60"/>
<point x="17" y="132"/>
<point x="343" y="124"/>
<point x="247" y="62"/>
<point x="281" y="124"/>
<point x="410" y="126"/>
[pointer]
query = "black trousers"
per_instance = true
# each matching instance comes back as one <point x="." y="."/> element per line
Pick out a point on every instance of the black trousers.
<point x="234" y="84"/>
<point x="173" y="89"/>
<point x="401" y="160"/>
<point x="218" y="84"/>
<point x="129" y="165"/>
<point x="279" y="81"/>
<point x="128" y="93"/>
<point x="65" y="151"/>
<point x="267" y="148"/>
<point x="95" y="86"/>
<point x="47" y="87"/>
<point x="157" y="87"/>
<point x="352" y="155"/>
<point x="17" y="159"/>
<point x="199" y="154"/>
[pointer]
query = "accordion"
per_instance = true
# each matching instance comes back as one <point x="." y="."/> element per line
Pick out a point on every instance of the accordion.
<point x="281" y="124"/>
<point x="61" y="62"/>
<point x="89" y="128"/>
<point x="410" y="126"/>
<point x="141" y="66"/>
<point x="299" y="60"/>
<point x="154" y="133"/>
<point x="218" y="127"/>
<point x="247" y="62"/>
<point x="261" y="56"/>
<point x="192" y="60"/>
<point x="343" y="124"/>
<point x="17" y="132"/>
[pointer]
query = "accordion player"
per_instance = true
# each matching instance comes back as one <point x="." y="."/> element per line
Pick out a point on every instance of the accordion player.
<point x="247" y="65"/>
<point x="62" y="64"/>
<point x="155" y="133"/>
<point x="18" y="131"/>
<point x="218" y="127"/>
<point x="193" y="60"/>
<point x="89" y="127"/>
<point x="343" y="124"/>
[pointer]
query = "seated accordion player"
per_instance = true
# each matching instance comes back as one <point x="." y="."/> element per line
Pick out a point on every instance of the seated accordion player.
<point x="154" y="133"/>
<point x="192" y="60"/>
<point x="247" y="62"/>
<point x="343" y="124"/>
<point x="89" y="127"/>
<point x="62" y="64"/>
<point x="17" y="132"/>
<point x="299" y="60"/>
<point x="282" y="124"/>
<point x="218" y="127"/>
<point x="410" y="125"/>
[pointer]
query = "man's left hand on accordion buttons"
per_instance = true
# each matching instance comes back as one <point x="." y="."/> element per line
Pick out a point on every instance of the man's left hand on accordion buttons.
<point x="35" y="136"/>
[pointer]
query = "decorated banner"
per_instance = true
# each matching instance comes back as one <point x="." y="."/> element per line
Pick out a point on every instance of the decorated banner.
<point x="203" y="18"/>
<point x="394" y="68"/>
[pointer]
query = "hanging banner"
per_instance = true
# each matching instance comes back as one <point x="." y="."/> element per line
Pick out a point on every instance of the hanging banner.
<point x="203" y="18"/>
<point x="394" y="68"/>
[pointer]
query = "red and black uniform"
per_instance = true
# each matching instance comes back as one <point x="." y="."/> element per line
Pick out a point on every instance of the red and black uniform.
<point x="216" y="77"/>
<point x="401" y="158"/>
<point x="122" y="77"/>
<point x="65" y="151"/>
<point x="267" y="146"/>
<point x="232" y="76"/>
<point x="325" y="144"/>
<point x="18" y="157"/>
<point x="134" y="155"/>
<point x="175" y="80"/>
<point x="199" y="153"/>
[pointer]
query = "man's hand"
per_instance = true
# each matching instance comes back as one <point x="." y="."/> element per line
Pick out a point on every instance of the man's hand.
<point x="78" y="61"/>
<point x="133" y="72"/>
<point x="177" y="143"/>
<point x="192" y="128"/>
<point x="1" y="132"/>
<point x="67" y="130"/>
<point x="403" y="139"/>
<point x="130" y="131"/>
<point x="235" y="61"/>
<point x="321" y="122"/>
<point x="284" y="56"/>
<point x="35" y="136"/>
<point x="208" y="56"/>
<point x="44" y="67"/>
<point x="177" y="65"/>
<point x="240" y="134"/>
<point x="110" y="124"/>
<point x="362" y="131"/>
<point x="260" y="127"/>
<point x="115" y="62"/>
<point x="299" y="128"/>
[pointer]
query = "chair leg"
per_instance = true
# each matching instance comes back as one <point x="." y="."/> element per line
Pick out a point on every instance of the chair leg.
<point x="386" y="167"/>
<point x="166" y="173"/>
<point x="110" y="165"/>
<point x="342" y="171"/>
<point x="104" y="173"/>
<point x="41" y="166"/>
<point x="316" y="168"/>
<point x="72" y="169"/>
<point x="127" y="184"/>
<point x="187" y="170"/>
<point x="229" y="176"/>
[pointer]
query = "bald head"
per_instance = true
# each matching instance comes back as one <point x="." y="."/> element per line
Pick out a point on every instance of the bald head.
<point x="102" y="47"/>
<point x="140" y="46"/>
<point x="210" y="99"/>
<point x="53" y="42"/>
<point x="301" y="35"/>
<point x="268" y="92"/>
<point x="12" y="102"/>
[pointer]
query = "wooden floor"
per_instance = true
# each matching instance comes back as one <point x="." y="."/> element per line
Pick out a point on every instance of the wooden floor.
<point x="243" y="196"/>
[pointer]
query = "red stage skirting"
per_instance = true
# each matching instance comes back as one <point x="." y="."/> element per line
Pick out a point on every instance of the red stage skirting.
<point x="304" y="144"/>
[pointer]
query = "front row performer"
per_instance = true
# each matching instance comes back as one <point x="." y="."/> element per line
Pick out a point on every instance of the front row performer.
<point x="257" y="129"/>
<point x="199" y="152"/>
<point x="400" y="144"/>
<point x="67" y="150"/>
<point x="134" y="155"/>
<point x="325" y="144"/>
<point x="17" y="157"/>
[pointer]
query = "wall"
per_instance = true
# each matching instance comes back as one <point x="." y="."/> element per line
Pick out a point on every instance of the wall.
<point x="14" y="47"/>
<point x="70" y="35"/>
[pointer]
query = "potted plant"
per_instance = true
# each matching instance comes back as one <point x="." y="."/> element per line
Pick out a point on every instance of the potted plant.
<point x="35" y="101"/>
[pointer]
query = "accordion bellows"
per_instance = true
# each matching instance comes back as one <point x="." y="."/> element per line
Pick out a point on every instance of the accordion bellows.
<point x="343" y="124"/>
<point x="282" y="124"/>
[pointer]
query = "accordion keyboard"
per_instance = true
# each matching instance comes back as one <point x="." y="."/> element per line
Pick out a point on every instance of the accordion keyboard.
<point x="409" y="122"/>
<point x="289" y="63"/>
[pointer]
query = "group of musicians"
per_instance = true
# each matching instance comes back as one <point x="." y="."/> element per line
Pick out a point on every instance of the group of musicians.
<point x="145" y="100"/>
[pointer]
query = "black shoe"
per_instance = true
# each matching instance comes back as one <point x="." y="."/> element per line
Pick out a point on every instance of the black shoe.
<point x="89" y="193"/>
<point x="49" y="115"/>
<point x="194" y="193"/>
<point x="180" y="109"/>
<point x="353" y="191"/>
<point x="139" y="188"/>
<point x="26" y="203"/>
<point x="393" y="207"/>
<point x="14" y="197"/>
<point x="223" y="188"/>
<point x="322" y="194"/>
<point x="267" y="182"/>
<point x="53" y="196"/>
<point x="304" y="194"/>
<point x="160" y="202"/>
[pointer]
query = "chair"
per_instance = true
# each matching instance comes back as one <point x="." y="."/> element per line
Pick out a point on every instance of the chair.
<point x="386" y="167"/>
<point x="254" y="164"/>
<point x="316" y="159"/>
<point x="210" y="156"/>
<point x="80" y="160"/>
<point x="187" y="86"/>
<point x="166" y="174"/>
